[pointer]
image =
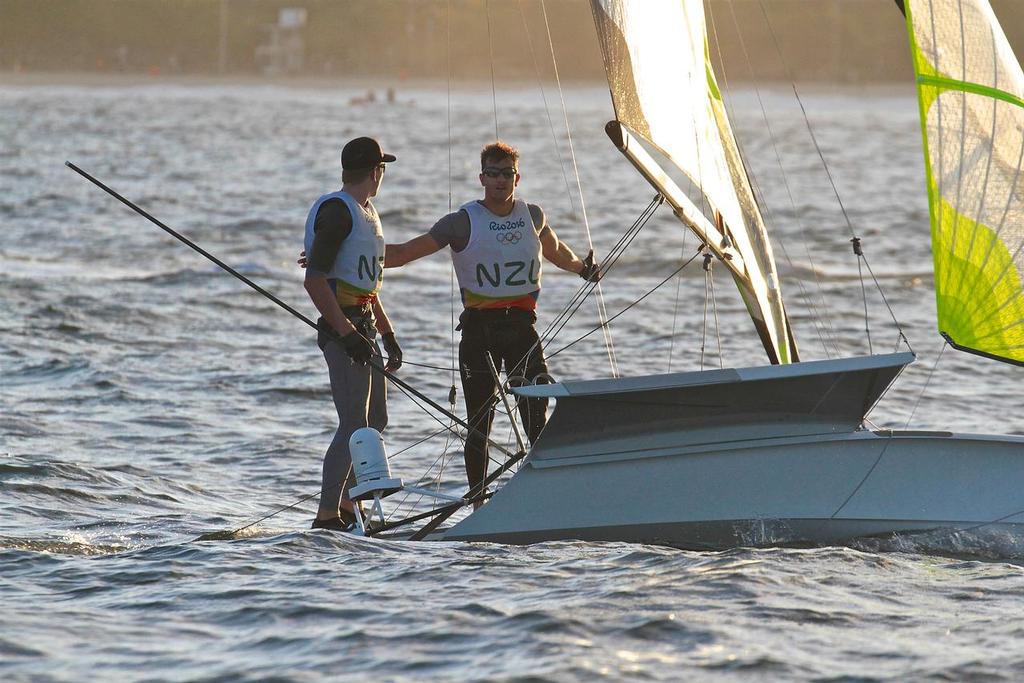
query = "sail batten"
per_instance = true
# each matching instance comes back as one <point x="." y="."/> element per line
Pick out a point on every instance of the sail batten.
<point x="971" y="97"/>
<point x="664" y="91"/>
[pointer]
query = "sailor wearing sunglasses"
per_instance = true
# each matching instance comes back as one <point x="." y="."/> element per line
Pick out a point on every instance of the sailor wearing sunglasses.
<point x="497" y="244"/>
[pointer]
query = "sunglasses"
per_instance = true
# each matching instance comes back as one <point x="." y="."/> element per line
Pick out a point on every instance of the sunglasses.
<point x="382" y="166"/>
<point x="492" y="172"/>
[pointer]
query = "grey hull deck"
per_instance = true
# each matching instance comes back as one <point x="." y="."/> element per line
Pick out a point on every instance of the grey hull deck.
<point x="750" y="457"/>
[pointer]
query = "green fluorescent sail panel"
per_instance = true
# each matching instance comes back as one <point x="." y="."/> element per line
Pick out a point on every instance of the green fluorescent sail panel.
<point x="971" y="94"/>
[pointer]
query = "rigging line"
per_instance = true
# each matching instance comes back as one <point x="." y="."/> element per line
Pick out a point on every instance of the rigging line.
<point x="927" y="382"/>
<point x="705" y="209"/>
<point x="456" y="432"/>
<point x="426" y="472"/>
<point x="219" y="536"/>
<point x="315" y="493"/>
<point x="864" y="292"/>
<point x="613" y="260"/>
<point x="602" y="312"/>
<point x="590" y="286"/>
<point x="547" y="108"/>
<point x="885" y="300"/>
<point x="612" y="257"/>
<point x="451" y="368"/>
<point x="576" y="300"/>
<point x="994" y="521"/>
<point x="449" y="428"/>
<point x="490" y="52"/>
<point x="824" y="164"/>
<point x="651" y="291"/>
<point x="474" y="494"/>
<point x="402" y="384"/>
<point x="587" y="287"/>
<point x="422" y="478"/>
<point x="704" y="325"/>
<point x="718" y="325"/>
<point x="867" y="475"/>
<point x="888" y="442"/>
<point x="584" y="291"/>
<point x="451" y="269"/>
<point x="675" y="308"/>
<point x="822" y="323"/>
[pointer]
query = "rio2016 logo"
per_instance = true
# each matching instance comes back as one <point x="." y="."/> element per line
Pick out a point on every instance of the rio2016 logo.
<point x="509" y="237"/>
<point x="507" y="225"/>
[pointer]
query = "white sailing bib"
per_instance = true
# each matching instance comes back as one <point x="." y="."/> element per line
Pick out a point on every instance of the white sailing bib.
<point x="360" y="260"/>
<point x="502" y="259"/>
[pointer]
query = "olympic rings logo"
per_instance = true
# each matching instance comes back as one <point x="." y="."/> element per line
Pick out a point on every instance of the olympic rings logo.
<point x="509" y="237"/>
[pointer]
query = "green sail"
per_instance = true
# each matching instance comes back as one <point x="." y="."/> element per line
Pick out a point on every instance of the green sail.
<point x="971" y="95"/>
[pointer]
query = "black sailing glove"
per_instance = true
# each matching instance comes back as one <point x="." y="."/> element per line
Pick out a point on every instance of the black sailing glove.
<point x="591" y="271"/>
<point x="393" y="351"/>
<point x="357" y="347"/>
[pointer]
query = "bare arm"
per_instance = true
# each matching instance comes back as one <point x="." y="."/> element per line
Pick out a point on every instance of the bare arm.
<point x="383" y="323"/>
<point x="558" y="252"/>
<point x="396" y="255"/>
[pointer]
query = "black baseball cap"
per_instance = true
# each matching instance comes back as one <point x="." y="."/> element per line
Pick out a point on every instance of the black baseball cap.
<point x="363" y="153"/>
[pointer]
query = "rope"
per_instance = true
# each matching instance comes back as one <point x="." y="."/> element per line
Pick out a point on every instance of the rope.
<point x="927" y="382"/>
<point x="451" y="270"/>
<point x="303" y="499"/>
<point x="704" y="324"/>
<point x="822" y="322"/>
<point x="853" y="236"/>
<point x="616" y="251"/>
<point x="547" y="109"/>
<point x="601" y="311"/>
<point x="675" y="308"/>
<point x="718" y="325"/>
<point x="864" y="291"/>
<point x="649" y="292"/>
<point x="490" y="52"/>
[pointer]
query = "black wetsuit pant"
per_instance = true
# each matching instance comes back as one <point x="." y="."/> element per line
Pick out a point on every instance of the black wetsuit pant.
<point x="510" y="338"/>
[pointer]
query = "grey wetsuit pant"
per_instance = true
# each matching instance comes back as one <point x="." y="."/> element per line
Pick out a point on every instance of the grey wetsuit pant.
<point x="360" y="397"/>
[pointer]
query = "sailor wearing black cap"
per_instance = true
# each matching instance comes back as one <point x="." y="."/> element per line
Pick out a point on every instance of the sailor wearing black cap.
<point x="345" y="247"/>
<point x="496" y="246"/>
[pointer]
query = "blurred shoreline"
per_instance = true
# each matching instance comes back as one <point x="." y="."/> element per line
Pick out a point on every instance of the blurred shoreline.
<point x="826" y="41"/>
<point x="380" y="85"/>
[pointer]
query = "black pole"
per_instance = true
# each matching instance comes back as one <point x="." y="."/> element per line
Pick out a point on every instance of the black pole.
<point x="178" y="236"/>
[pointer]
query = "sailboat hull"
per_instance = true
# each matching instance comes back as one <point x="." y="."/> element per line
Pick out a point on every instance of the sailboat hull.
<point x="756" y="457"/>
<point x="806" y="492"/>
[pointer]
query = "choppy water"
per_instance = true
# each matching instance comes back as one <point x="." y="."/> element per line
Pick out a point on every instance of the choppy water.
<point x="147" y="399"/>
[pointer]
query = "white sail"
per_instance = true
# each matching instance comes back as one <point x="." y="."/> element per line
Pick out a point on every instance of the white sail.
<point x="664" y="90"/>
<point x="971" y="93"/>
